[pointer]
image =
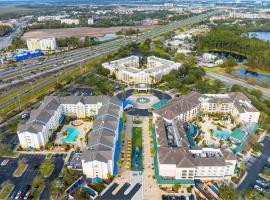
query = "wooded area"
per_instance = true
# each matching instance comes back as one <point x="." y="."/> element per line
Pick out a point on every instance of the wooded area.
<point x="232" y="39"/>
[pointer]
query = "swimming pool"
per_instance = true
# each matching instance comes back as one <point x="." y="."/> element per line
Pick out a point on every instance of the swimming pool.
<point x="223" y="134"/>
<point x="72" y="134"/>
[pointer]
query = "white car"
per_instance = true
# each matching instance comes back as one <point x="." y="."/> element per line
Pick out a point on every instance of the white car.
<point x="258" y="188"/>
<point x="18" y="195"/>
<point x="26" y="195"/>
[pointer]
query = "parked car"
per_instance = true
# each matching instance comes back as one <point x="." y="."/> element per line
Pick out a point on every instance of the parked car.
<point x="258" y="188"/>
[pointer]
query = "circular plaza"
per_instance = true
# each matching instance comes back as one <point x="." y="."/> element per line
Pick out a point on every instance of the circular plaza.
<point x="142" y="102"/>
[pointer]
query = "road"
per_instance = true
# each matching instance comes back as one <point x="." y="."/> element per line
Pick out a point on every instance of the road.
<point x="256" y="167"/>
<point x="99" y="51"/>
<point x="80" y="55"/>
<point x="7" y="40"/>
<point x="232" y="81"/>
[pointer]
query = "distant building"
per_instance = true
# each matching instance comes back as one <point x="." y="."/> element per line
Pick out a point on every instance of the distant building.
<point x="127" y="69"/>
<point x="169" y="5"/>
<point x="10" y="22"/>
<point x="70" y="21"/>
<point x="46" y="44"/>
<point x="90" y="21"/>
<point x="51" y="18"/>
<point x="208" y="57"/>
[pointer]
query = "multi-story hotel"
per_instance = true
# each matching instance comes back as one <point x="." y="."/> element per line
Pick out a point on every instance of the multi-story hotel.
<point x="177" y="159"/>
<point x="70" y="21"/>
<point x="187" y="107"/>
<point x="100" y="157"/>
<point x="46" y="44"/>
<point x="128" y="69"/>
<point x="36" y="131"/>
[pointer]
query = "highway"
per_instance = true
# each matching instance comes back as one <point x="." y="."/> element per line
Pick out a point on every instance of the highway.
<point x="232" y="81"/>
<point x="14" y="75"/>
<point x="79" y="56"/>
<point x="6" y="41"/>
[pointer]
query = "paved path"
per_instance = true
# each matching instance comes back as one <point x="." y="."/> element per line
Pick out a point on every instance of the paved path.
<point x="232" y="81"/>
<point x="150" y="186"/>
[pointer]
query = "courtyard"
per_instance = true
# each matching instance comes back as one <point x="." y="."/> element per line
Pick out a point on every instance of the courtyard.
<point x="74" y="133"/>
<point x="216" y="128"/>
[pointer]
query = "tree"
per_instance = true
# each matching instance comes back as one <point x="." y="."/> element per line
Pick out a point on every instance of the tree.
<point x="257" y="93"/>
<point x="83" y="193"/>
<point x="228" y="192"/>
<point x="56" y="189"/>
<point x="4" y="148"/>
<point x="176" y="187"/>
<point x="221" y="142"/>
<point x="46" y="167"/>
<point x="252" y="194"/>
<point x="243" y="166"/>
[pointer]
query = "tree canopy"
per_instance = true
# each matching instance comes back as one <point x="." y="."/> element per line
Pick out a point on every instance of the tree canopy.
<point x="228" y="193"/>
<point x="233" y="39"/>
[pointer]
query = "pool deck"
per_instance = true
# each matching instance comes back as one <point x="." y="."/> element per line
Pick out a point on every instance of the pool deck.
<point x="83" y="129"/>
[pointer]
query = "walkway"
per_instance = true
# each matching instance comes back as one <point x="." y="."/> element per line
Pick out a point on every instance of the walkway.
<point x="150" y="186"/>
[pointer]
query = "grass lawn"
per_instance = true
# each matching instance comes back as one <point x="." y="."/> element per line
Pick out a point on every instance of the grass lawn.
<point x="21" y="168"/>
<point x="6" y="190"/>
<point x="11" y="155"/>
<point x="137" y="137"/>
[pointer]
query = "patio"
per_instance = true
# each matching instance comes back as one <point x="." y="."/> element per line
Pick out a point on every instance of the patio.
<point x="83" y="127"/>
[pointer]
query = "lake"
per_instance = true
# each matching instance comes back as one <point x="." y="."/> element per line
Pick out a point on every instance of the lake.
<point x="265" y="36"/>
<point x="107" y="37"/>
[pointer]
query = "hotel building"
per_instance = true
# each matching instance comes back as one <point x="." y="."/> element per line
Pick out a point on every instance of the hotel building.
<point x="102" y="152"/>
<point x="46" y="44"/>
<point x="35" y="133"/>
<point x="128" y="69"/>
<point x="176" y="157"/>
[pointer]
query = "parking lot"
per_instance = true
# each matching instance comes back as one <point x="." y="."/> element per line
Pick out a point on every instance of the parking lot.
<point x="33" y="160"/>
<point x="255" y="165"/>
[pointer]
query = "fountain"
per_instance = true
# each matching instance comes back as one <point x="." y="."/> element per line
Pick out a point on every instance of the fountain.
<point x="142" y="100"/>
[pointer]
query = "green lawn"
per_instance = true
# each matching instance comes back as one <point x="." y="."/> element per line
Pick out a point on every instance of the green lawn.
<point x="137" y="137"/>
<point x="6" y="191"/>
<point x="21" y="168"/>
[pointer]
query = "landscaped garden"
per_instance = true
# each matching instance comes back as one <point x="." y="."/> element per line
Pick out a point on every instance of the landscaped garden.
<point x="136" y="155"/>
<point x="22" y="165"/>
<point x="7" y="188"/>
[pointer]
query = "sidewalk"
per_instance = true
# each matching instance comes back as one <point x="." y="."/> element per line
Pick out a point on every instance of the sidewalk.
<point x="150" y="186"/>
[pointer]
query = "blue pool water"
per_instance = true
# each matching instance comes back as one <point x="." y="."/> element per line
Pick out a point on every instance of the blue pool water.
<point x="213" y="189"/>
<point x="221" y="134"/>
<point x="72" y="134"/>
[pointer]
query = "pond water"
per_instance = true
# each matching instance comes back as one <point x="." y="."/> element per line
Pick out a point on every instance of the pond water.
<point x="244" y="73"/>
<point x="107" y="37"/>
<point x="257" y="75"/>
<point x="225" y="54"/>
<point x="265" y="36"/>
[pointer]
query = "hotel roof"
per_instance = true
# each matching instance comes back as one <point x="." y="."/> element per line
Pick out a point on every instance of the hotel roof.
<point x="185" y="103"/>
